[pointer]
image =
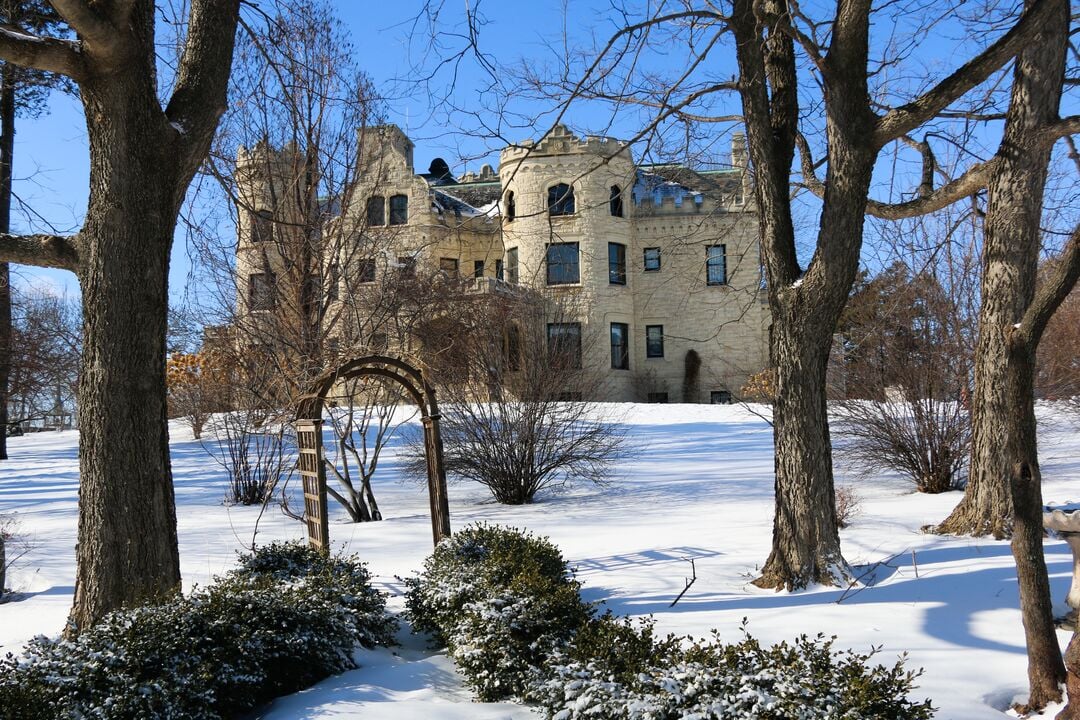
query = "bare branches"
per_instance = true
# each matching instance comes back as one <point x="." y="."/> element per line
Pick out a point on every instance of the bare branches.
<point x="48" y="54"/>
<point x="50" y="251"/>
<point x="97" y="34"/>
<point x="904" y="119"/>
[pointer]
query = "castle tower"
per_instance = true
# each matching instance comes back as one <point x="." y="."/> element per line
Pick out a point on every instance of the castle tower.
<point x="567" y="212"/>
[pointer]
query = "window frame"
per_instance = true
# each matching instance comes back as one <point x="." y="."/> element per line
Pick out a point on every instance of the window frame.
<point x="725" y="397"/>
<point x="561" y="205"/>
<point x="478" y="268"/>
<point x="511" y="206"/>
<point x="645" y="259"/>
<point x="711" y="263"/>
<point x="576" y="264"/>
<point x="255" y="302"/>
<point x="450" y="266"/>
<point x="398" y="215"/>
<point x="262" y="226"/>
<point x="365" y="270"/>
<point x="622" y="360"/>
<point x="615" y="202"/>
<point x="649" y="347"/>
<point x="616" y="266"/>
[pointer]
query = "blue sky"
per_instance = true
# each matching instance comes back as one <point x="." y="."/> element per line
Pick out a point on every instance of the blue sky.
<point x="51" y="155"/>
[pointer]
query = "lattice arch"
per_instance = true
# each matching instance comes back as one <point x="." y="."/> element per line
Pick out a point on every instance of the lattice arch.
<point x="309" y="440"/>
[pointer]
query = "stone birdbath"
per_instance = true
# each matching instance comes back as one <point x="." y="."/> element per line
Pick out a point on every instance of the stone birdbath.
<point x="1065" y="522"/>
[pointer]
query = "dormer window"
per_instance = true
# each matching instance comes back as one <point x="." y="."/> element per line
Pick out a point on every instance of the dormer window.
<point x="615" y="204"/>
<point x="511" y="208"/>
<point x="399" y="209"/>
<point x="561" y="199"/>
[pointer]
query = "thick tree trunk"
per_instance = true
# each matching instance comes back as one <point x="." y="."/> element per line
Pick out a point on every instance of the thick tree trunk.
<point x="806" y="545"/>
<point x="127" y="551"/>
<point x="7" y="147"/>
<point x="1072" y="683"/>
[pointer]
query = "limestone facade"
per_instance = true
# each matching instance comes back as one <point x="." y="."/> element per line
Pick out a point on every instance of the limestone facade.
<point x="650" y="262"/>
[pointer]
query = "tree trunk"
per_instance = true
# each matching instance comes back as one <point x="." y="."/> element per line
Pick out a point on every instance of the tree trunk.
<point x="1046" y="671"/>
<point x="1072" y="683"/>
<point x="127" y="551"/>
<point x="7" y="147"/>
<point x="806" y="545"/>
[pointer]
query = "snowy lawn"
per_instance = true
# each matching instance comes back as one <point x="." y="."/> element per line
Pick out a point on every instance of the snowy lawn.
<point x="701" y="487"/>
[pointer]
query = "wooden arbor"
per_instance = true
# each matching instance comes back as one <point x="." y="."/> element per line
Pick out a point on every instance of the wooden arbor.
<point x="309" y="440"/>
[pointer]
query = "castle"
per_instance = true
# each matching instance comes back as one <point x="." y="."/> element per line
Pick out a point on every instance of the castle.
<point x="659" y="264"/>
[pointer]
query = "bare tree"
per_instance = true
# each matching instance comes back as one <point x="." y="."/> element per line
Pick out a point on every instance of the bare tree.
<point x="143" y="153"/>
<point x="44" y="370"/>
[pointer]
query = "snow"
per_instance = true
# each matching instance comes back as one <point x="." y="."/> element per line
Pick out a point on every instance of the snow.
<point x="699" y="487"/>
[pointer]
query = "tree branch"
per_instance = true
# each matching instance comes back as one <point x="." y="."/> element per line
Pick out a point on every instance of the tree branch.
<point x="49" y="251"/>
<point x="929" y="200"/>
<point x="1050" y="294"/>
<point x="199" y="98"/>
<point x="97" y="33"/>
<point x="48" y="54"/>
<point x="904" y="119"/>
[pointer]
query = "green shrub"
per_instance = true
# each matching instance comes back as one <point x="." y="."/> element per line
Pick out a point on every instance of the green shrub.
<point x="510" y="613"/>
<point x="255" y="634"/>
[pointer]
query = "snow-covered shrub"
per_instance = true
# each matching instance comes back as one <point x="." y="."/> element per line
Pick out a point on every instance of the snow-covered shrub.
<point x="218" y="652"/>
<point x="804" y="680"/>
<point x="502" y="601"/>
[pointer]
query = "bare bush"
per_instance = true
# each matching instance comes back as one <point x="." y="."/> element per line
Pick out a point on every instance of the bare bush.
<point x="848" y="505"/>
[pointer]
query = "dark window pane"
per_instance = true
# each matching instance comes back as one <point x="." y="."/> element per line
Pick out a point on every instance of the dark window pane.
<point x="716" y="265"/>
<point x="478" y="268"/>
<point x="399" y="209"/>
<point x="262" y="226"/>
<point x="261" y="291"/>
<point x="652" y="259"/>
<point x="499" y="275"/>
<point x="620" y="346"/>
<point x="658" y="397"/>
<point x="561" y="199"/>
<point x="615" y="204"/>
<point x="511" y="206"/>
<point x="564" y="344"/>
<point x="654" y="341"/>
<point x="513" y="348"/>
<point x="366" y="270"/>
<point x="616" y="263"/>
<point x="406" y="265"/>
<point x="512" y="266"/>
<point x="562" y="264"/>
<point x="720" y="397"/>
<point x="376" y="210"/>
<point x="449" y="266"/>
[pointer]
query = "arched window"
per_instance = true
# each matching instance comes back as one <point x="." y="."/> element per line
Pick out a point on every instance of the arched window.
<point x="376" y="210"/>
<point x="511" y="208"/>
<point x="399" y="209"/>
<point x="615" y="204"/>
<point x="561" y="199"/>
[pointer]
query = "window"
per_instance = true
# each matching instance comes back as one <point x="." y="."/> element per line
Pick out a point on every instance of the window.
<point x="615" y="204"/>
<point x="561" y="200"/>
<point x="616" y="256"/>
<point x="652" y="259"/>
<point x="512" y="266"/>
<point x="513" y="348"/>
<point x="399" y="209"/>
<point x="365" y="270"/>
<point x="654" y="341"/>
<point x="564" y="344"/>
<point x="262" y="226"/>
<point x="568" y="397"/>
<point x="261" y="291"/>
<point x="449" y="266"/>
<point x="658" y="397"/>
<point x="499" y="270"/>
<point x="562" y="264"/>
<point x="332" y="282"/>
<point x="511" y="207"/>
<point x="716" y="265"/>
<point x="478" y="268"/>
<point x="620" y="346"/>
<point x="376" y="210"/>
<point x="406" y="265"/>
<point x="720" y="397"/>
<point x="379" y="341"/>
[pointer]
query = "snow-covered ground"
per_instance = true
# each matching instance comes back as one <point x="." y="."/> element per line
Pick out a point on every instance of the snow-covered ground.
<point x="699" y="487"/>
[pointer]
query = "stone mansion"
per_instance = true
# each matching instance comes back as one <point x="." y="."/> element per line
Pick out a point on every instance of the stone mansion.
<point x="659" y="264"/>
